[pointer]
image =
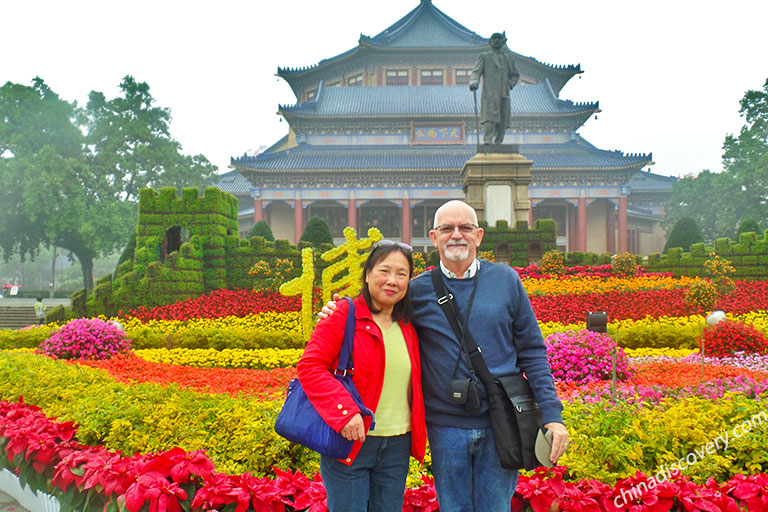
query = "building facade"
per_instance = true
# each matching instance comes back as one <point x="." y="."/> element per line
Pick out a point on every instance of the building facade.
<point x="379" y="134"/>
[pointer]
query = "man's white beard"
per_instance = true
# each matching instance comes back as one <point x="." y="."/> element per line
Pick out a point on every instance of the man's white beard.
<point x="457" y="252"/>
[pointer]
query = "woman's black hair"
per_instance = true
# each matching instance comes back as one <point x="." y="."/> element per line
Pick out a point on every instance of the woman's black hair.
<point x="403" y="310"/>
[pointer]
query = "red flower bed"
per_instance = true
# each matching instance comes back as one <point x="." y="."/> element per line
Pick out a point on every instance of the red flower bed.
<point x="130" y="368"/>
<point x="748" y="296"/>
<point x="43" y="452"/>
<point x="218" y="304"/>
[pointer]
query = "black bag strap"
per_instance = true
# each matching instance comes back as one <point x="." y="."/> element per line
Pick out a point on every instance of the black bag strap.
<point x="448" y="304"/>
<point x="346" y="363"/>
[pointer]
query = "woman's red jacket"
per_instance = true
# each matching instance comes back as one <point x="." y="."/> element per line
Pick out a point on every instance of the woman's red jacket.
<point x="329" y="397"/>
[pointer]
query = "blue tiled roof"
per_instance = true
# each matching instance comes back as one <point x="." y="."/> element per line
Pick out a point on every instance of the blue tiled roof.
<point x="650" y="182"/>
<point x="574" y="155"/>
<point x="426" y="26"/>
<point x="438" y="100"/>
<point x="234" y="183"/>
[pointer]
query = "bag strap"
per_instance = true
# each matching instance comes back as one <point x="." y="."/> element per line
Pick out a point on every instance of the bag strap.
<point x="346" y="363"/>
<point x="448" y="305"/>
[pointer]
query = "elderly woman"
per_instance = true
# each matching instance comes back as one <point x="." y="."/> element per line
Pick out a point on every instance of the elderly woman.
<point x="387" y="374"/>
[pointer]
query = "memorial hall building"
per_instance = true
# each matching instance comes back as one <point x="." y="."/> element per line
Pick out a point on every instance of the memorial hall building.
<point x="379" y="135"/>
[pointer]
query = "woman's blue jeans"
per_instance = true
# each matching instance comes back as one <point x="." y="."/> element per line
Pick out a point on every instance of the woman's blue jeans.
<point x="375" y="482"/>
<point x="467" y="470"/>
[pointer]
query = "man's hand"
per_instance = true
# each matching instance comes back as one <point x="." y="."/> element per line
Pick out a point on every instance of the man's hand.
<point x="473" y="87"/>
<point x="559" y="440"/>
<point x="329" y="308"/>
<point x="355" y="429"/>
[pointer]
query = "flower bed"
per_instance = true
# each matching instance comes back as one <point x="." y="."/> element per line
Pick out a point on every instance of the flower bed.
<point x="45" y="454"/>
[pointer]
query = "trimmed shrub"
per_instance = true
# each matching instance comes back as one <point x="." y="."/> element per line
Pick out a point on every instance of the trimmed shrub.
<point x="729" y="336"/>
<point x="317" y="232"/>
<point x="720" y="271"/>
<point x="86" y="338"/>
<point x="553" y="263"/>
<point x="747" y="225"/>
<point x="584" y="356"/>
<point x="261" y="229"/>
<point x="684" y="233"/>
<point x="269" y="276"/>
<point x="624" y="264"/>
<point x="701" y="294"/>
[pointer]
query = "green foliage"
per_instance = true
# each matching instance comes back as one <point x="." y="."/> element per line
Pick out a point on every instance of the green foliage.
<point x="720" y="271"/>
<point x="88" y="167"/>
<point x="614" y="440"/>
<point x="658" y="335"/>
<point x="261" y="229"/>
<point x="747" y="225"/>
<point x="268" y="276"/>
<point x="684" y="233"/>
<point x="317" y="232"/>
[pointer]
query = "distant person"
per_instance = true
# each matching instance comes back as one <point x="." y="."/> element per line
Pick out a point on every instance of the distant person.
<point x="499" y="76"/>
<point x="40" y="311"/>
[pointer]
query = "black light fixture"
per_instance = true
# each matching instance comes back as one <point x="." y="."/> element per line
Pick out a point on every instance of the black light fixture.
<point x="597" y="321"/>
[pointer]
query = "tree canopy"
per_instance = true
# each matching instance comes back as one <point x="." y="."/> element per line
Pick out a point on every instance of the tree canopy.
<point x="70" y="177"/>
<point x="261" y="228"/>
<point x="684" y="233"/>
<point x="719" y="201"/>
<point x="317" y="232"/>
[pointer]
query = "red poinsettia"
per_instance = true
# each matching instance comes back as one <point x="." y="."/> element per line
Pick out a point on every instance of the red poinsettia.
<point x="162" y="494"/>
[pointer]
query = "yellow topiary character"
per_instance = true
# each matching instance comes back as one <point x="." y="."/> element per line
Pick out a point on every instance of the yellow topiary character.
<point x="344" y="276"/>
<point x="302" y="285"/>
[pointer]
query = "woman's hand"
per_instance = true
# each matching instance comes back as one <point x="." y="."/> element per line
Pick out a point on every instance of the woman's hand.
<point x="354" y="430"/>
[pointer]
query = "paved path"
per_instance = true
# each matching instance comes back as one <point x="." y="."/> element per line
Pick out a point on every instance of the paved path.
<point x="8" y="504"/>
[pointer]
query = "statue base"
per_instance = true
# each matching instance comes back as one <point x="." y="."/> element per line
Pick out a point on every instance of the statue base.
<point x="495" y="184"/>
<point x="498" y="148"/>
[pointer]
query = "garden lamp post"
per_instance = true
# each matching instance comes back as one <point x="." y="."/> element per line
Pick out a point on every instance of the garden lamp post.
<point x="712" y="320"/>
<point x="597" y="321"/>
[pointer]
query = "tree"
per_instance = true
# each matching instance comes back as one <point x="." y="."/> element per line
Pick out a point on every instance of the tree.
<point x="700" y="198"/>
<point x="261" y="228"/>
<point x="317" y="232"/>
<point x="719" y="201"/>
<point x="684" y="233"/>
<point x="748" y="225"/>
<point x="746" y="157"/>
<point x="70" y="177"/>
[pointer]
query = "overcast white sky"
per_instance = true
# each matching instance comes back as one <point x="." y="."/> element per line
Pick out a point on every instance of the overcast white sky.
<point x="668" y="74"/>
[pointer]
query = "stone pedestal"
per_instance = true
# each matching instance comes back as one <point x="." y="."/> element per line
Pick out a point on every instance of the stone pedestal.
<point x="495" y="184"/>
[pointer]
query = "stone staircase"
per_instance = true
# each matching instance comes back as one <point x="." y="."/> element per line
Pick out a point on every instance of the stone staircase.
<point x="17" y="316"/>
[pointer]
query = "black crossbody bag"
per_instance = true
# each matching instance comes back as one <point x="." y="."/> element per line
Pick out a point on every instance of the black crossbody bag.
<point x="515" y="416"/>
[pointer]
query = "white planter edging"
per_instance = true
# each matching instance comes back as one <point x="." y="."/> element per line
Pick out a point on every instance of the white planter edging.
<point x="33" y="501"/>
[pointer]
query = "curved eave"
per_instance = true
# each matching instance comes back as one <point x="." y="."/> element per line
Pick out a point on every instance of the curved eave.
<point x="339" y="170"/>
<point x="289" y="115"/>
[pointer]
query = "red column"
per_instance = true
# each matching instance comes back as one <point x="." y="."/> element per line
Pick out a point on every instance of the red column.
<point x="572" y="231"/>
<point x="352" y="214"/>
<point x="405" y="221"/>
<point x="623" y="224"/>
<point x="258" y="210"/>
<point x="610" y="228"/>
<point x="298" y="220"/>
<point x="582" y="216"/>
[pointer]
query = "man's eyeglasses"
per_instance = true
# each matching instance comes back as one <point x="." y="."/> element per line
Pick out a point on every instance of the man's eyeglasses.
<point x="384" y="243"/>
<point x="448" y="229"/>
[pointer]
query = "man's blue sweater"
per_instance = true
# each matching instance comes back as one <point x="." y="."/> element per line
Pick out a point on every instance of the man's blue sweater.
<point x="504" y="326"/>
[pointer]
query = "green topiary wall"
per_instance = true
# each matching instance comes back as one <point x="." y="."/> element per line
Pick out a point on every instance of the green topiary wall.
<point x="748" y="255"/>
<point x="515" y="245"/>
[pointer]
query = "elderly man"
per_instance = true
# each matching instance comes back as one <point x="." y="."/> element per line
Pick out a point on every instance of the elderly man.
<point x="467" y="470"/>
<point x="499" y="77"/>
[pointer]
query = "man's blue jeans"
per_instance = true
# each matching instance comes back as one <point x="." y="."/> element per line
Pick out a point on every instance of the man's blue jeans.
<point x="375" y="482"/>
<point x="468" y="473"/>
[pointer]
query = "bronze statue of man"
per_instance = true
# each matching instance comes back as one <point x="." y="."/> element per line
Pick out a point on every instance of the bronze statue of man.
<point x="499" y="77"/>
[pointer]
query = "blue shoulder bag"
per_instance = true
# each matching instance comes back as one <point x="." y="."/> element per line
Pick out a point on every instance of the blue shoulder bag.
<point x="299" y="422"/>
